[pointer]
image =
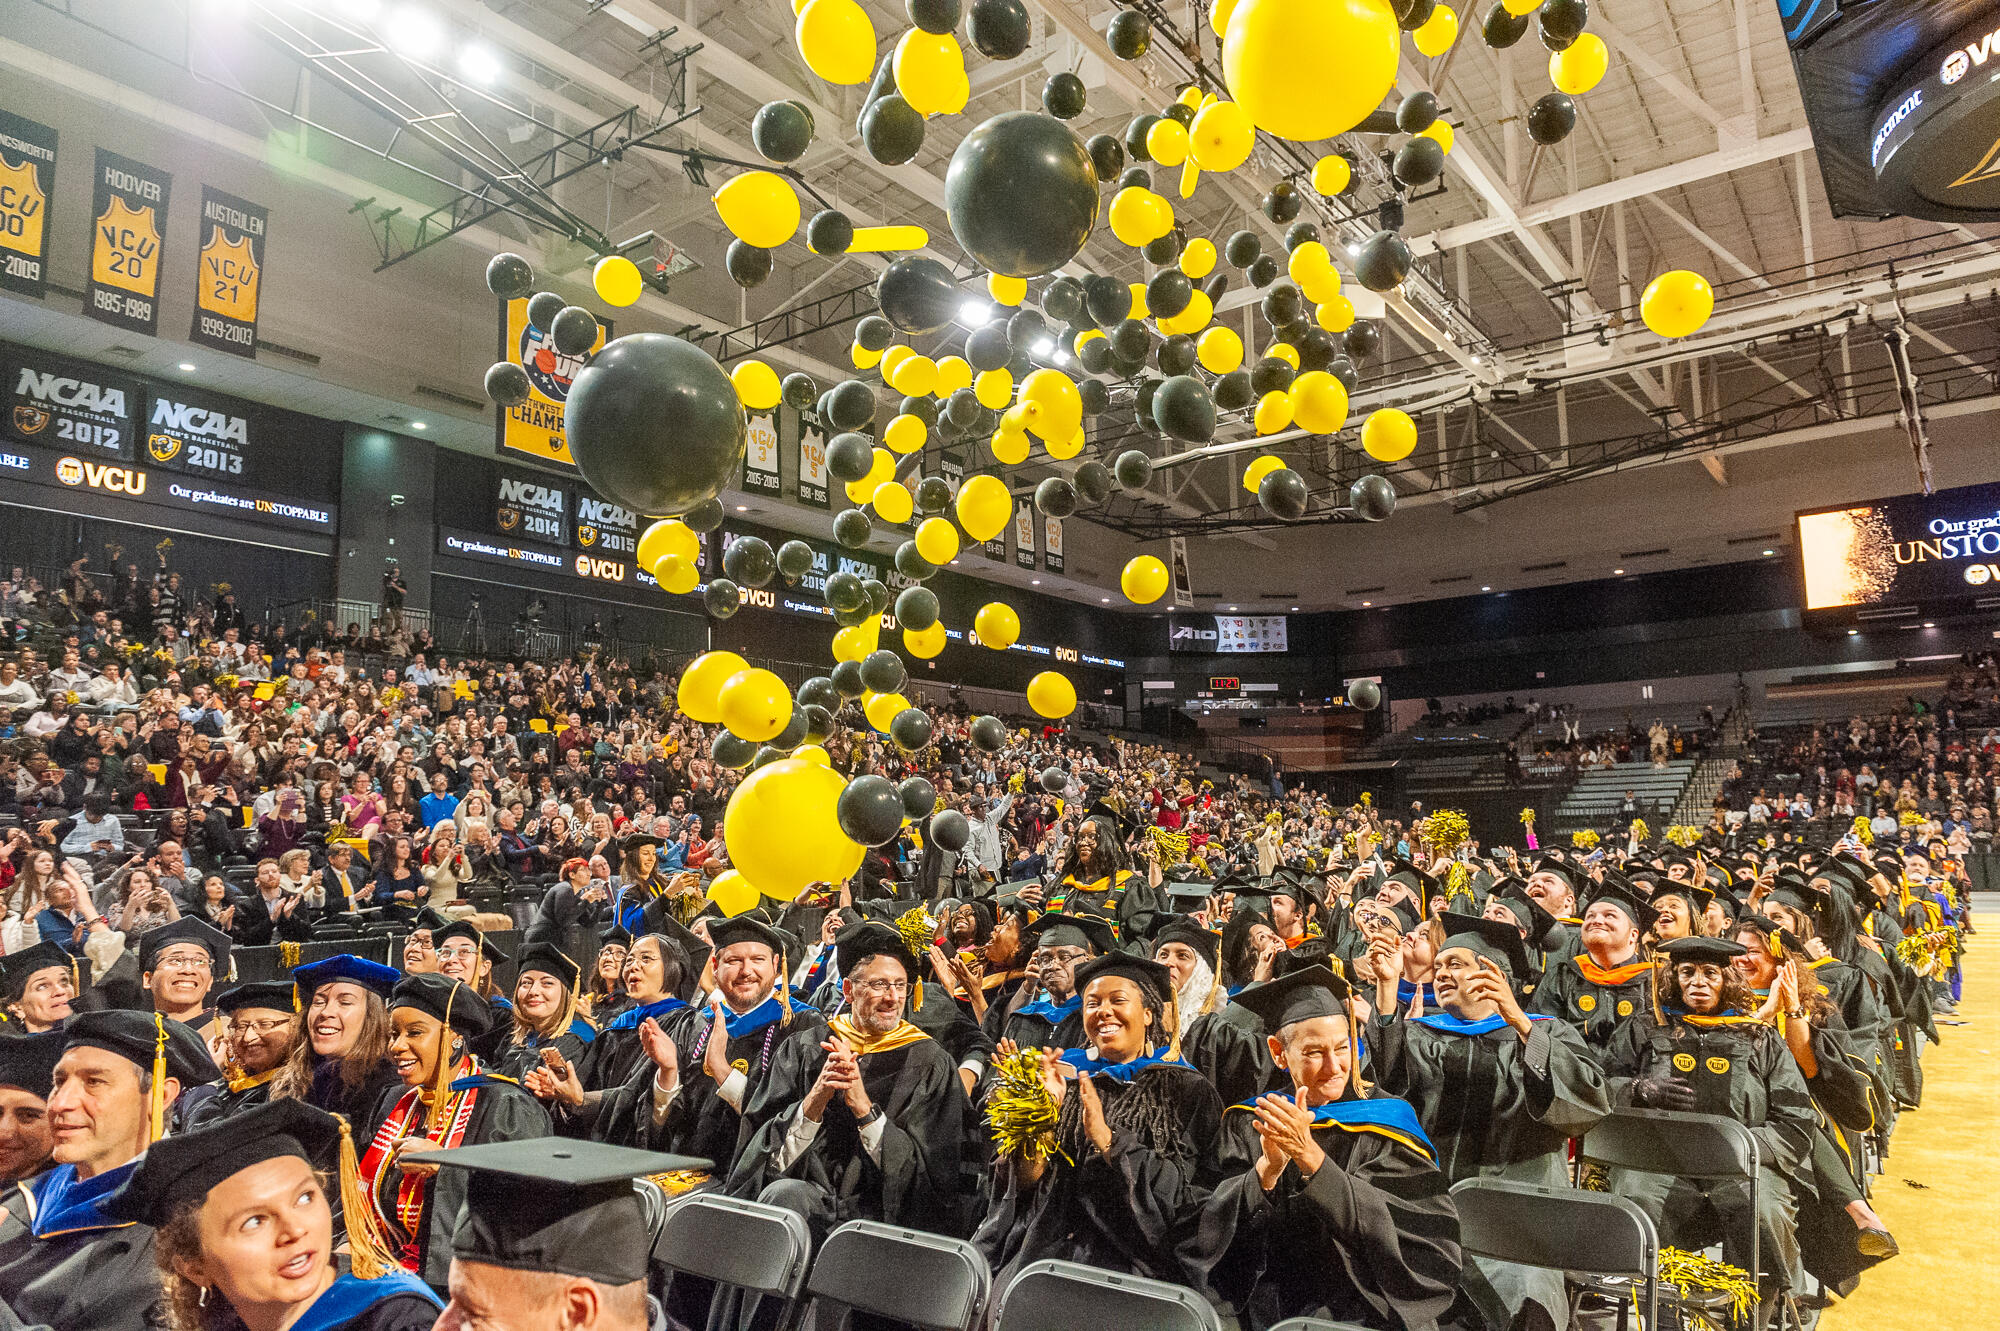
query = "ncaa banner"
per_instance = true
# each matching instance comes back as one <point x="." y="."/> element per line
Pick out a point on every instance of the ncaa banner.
<point x="812" y="460"/>
<point x="535" y="428"/>
<point x="1183" y="583"/>
<point x="229" y="273"/>
<point x="1024" y="535"/>
<point x="81" y="409"/>
<point x="127" y="243"/>
<point x="27" y="185"/>
<point x="760" y="459"/>
<point x="1052" y="544"/>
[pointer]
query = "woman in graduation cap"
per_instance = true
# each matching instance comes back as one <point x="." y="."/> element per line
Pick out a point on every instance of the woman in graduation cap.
<point x="658" y="970"/>
<point x="1821" y="912"/>
<point x="340" y="1062"/>
<point x="1216" y="1036"/>
<point x="1135" y="1132"/>
<point x="1499" y="1092"/>
<point x="543" y="1016"/>
<point x="1680" y="909"/>
<point x="1700" y="1047"/>
<point x="1332" y="1205"/>
<point x="245" y="1230"/>
<point x="448" y="1100"/>
<point x="1095" y="880"/>
<point x="603" y="996"/>
<point x="262" y="1030"/>
<point x="1608" y="984"/>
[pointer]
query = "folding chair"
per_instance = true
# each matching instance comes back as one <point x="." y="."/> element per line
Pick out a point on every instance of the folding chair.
<point x="1316" y="1324"/>
<point x="1587" y="1234"/>
<point x="1061" y="1296"/>
<point x="904" y="1275"/>
<point x="760" y="1249"/>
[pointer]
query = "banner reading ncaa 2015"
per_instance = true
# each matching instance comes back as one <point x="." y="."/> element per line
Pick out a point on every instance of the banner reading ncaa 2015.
<point x="229" y="273"/>
<point x="27" y="185"/>
<point x="127" y="243"/>
<point x="535" y="428"/>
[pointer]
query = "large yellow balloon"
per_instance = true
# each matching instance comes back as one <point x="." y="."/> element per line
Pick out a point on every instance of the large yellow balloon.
<point x="783" y="829"/>
<point x="668" y="536"/>
<point x="1274" y="413"/>
<point x="676" y="575"/>
<point x="1135" y="215"/>
<point x="1333" y="173"/>
<point x="863" y="358"/>
<point x="984" y="507"/>
<point x="928" y="68"/>
<point x="892" y="359"/>
<point x="1308" y="261"/>
<point x="759" y="207"/>
<point x="1310" y="69"/>
<point x="1388" y="435"/>
<point x="837" y="40"/>
<point x="1198" y="259"/>
<point x="892" y="501"/>
<point x="855" y="641"/>
<point x="756" y="385"/>
<point x="1062" y="450"/>
<point x="755" y="704"/>
<point x="953" y="373"/>
<point x="1051" y="695"/>
<point x="1221" y="137"/>
<point x="904" y="433"/>
<point x="1138" y="290"/>
<point x="884" y="708"/>
<point x="1677" y="303"/>
<point x="1010" y="447"/>
<point x="1285" y="352"/>
<point x="732" y="893"/>
<point x="1055" y="406"/>
<point x="881" y="470"/>
<point x="937" y="541"/>
<point x="915" y="376"/>
<point x="994" y="388"/>
<point x="1319" y="402"/>
<point x="617" y="280"/>
<point x="1439" y="31"/>
<point x="1220" y="350"/>
<point x="925" y="643"/>
<point x="1218" y="16"/>
<point x="1520" y="8"/>
<point x="701" y="685"/>
<point x="997" y="626"/>
<point x="1335" y="313"/>
<point x="1254" y="474"/>
<point x="1579" y="67"/>
<point x="1143" y="579"/>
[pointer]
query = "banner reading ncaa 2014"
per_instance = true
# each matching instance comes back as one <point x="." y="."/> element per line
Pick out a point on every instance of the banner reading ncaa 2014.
<point x="127" y="243"/>
<point x="229" y="273"/>
<point x="27" y="185"/>
<point x="535" y="428"/>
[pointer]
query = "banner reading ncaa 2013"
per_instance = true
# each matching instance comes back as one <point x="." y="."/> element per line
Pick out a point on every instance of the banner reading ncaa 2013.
<point x="229" y="273"/>
<point x="127" y="243"/>
<point x="535" y="428"/>
<point x="27" y="184"/>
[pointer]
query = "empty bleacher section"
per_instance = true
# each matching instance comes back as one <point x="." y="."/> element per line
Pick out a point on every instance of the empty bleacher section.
<point x="1598" y="799"/>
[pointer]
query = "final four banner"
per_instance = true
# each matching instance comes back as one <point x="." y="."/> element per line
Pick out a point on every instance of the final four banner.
<point x="27" y="184"/>
<point x="127" y="243"/>
<point x="229" y="273"/>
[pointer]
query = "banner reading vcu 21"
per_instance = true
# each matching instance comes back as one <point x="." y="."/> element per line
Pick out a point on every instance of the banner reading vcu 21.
<point x="127" y="243"/>
<point x="229" y="273"/>
<point x="27" y="184"/>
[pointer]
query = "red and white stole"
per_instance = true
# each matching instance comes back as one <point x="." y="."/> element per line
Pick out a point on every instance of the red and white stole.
<point x="403" y="1219"/>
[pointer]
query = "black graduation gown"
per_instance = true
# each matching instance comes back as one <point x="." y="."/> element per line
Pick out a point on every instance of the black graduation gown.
<point x="1036" y="1025"/>
<point x="514" y="1059"/>
<point x="612" y="1058"/>
<point x="89" y="1273"/>
<point x="1598" y="1010"/>
<point x="1371" y="1238"/>
<point x="1130" y="906"/>
<point x="1229" y="1050"/>
<point x="394" y="1302"/>
<point x="223" y="1102"/>
<point x="363" y="1104"/>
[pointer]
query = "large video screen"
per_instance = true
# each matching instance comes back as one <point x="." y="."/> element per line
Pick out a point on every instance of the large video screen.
<point x="1912" y="548"/>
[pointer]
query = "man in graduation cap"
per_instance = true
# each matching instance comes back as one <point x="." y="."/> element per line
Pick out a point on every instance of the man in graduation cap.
<point x="1540" y="931"/>
<point x="1499" y="1092"/>
<point x="1557" y="886"/>
<point x="1333" y="1206"/>
<point x="1044" y="1011"/>
<point x="39" y="985"/>
<point x="262" y="1030"/>
<point x="179" y="964"/>
<point x="64" y="1260"/>
<point x="27" y="1071"/>
<point x="1609" y="981"/>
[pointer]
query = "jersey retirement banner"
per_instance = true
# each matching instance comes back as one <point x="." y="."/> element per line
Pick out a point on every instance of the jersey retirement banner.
<point x="27" y="184"/>
<point x="229" y="273"/>
<point x="127" y="243"/>
<point x="535" y="428"/>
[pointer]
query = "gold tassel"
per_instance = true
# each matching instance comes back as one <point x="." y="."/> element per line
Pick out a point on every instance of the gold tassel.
<point x="1353" y="1050"/>
<point x="156" y="1099"/>
<point x="289" y="955"/>
<point x="441" y="1079"/>
<point x="298" y="1004"/>
<point x="367" y="1253"/>
<point x="785" y="988"/>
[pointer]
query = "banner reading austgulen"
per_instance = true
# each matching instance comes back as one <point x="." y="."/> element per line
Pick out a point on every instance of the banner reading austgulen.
<point x="229" y="273"/>
<point x="127" y="243"/>
<point x="27" y="185"/>
<point x="535" y="428"/>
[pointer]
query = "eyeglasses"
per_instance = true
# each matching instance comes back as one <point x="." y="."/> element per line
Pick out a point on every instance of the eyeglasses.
<point x="883" y="988"/>
<point x="181" y="961"/>
<point x="262" y="1028"/>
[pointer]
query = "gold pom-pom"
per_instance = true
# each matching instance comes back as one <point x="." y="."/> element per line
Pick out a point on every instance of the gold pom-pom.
<point x="1693" y="1273"/>
<point x="1528" y="815"/>
<point x="918" y="928"/>
<point x="1862" y="832"/>
<point x="1639" y="830"/>
<point x="1446" y="830"/>
<point x="1019" y="1109"/>
<point x="1584" y="840"/>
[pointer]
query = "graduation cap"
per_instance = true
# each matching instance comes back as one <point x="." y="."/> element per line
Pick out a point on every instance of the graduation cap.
<point x="1407" y="914"/>
<point x="1528" y="914"/>
<point x="549" y="959"/>
<point x="446" y="1000"/>
<point x="29" y="1061"/>
<point x="1409" y="875"/>
<point x="559" y="1205"/>
<point x="1142" y="970"/>
<point x="746" y="929"/>
<point x="276" y="995"/>
<point x="1695" y="895"/>
<point x="1300" y="996"/>
<point x="1496" y="940"/>
<point x="1550" y="864"/>
<point x="20" y="967"/>
<point x="1054" y="930"/>
<point x="1181" y="929"/>
<point x="1793" y="891"/>
<point x="1615" y="890"/>
<point x="187" y="929"/>
<point x="1190" y="891"/>
<point x="690" y="944"/>
<point x="492" y="951"/>
<point x="181" y="1169"/>
<point x="345" y="968"/>
<point x="617" y="934"/>
<point x="1715" y="951"/>
<point x="155" y="1044"/>
<point x="1778" y="940"/>
<point x="428" y="918"/>
<point x="856" y="943"/>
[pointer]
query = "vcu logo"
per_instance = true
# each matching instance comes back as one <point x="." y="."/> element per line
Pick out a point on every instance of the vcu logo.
<point x="586" y="535"/>
<point x="163" y="447"/>
<point x="98" y="476"/>
<point x="30" y="420"/>
<point x="603" y="570"/>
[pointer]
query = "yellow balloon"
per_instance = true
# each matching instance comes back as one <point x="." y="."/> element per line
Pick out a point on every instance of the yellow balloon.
<point x="676" y="575"/>
<point x="837" y="40"/>
<point x="1051" y="695"/>
<point x="1580" y="66"/>
<point x="937" y="540"/>
<point x="1285" y="352"/>
<point x="1083" y="337"/>
<point x="994" y="388"/>
<point x="755" y="704"/>
<point x="1254" y="474"/>
<point x="1274" y="413"/>
<point x="617" y="280"/>
<point x="925" y="643"/>
<point x="1167" y="142"/>
<point x="1056" y="407"/>
<point x="1321" y="287"/>
<point x="668" y="536"/>
<point x="1335" y="313"/>
<point x="863" y="358"/>
<point x="904" y="433"/>
<point x="984" y="507"/>
<point x="759" y="207"/>
<point x="701" y="685"/>
<point x="732" y="893"/>
<point x="1520" y="8"/>
<point x="1441" y="131"/>
<point x="892" y="500"/>
<point x="1308" y="261"/>
<point x="814" y="754"/>
<point x="915" y="376"/>
<point x="1010" y="447"/>
<point x="997" y="626"/>
<point x="1193" y="319"/>
<point x="1198" y="259"/>
<point x="853" y="642"/>
<point x="893" y="357"/>
<point x="756" y="385"/>
<point x="1006" y="290"/>
<point x="1220" y="138"/>
<point x="928" y="68"/>
<point x="1439" y="31"/>
<point x="1388" y="435"/>
<point x="884" y="708"/>
<point x="1132" y="216"/>
<point x="1218" y="16"/>
<point x="783" y="829"/>
<point x="1143" y="579"/>
<point x="1138" y="290"/>
<point x="1310" y="69"/>
<point x="1220" y="350"/>
<point x="1062" y="450"/>
<point x="1333" y="173"/>
<point x="1319" y="402"/>
<point x="1677" y="303"/>
<point x="953" y="373"/>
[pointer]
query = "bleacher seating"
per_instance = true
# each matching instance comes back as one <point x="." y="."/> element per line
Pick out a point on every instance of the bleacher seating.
<point x="1595" y="799"/>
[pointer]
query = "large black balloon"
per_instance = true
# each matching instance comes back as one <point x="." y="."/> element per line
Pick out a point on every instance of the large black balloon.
<point x="1108" y="300"/>
<point x="950" y="830"/>
<point x="1300" y="233"/>
<point x="936" y="17"/>
<point x="987" y="349"/>
<point x="1315" y="348"/>
<point x="883" y="671"/>
<point x="799" y="390"/>
<point x="1025" y="329"/>
<point x="1271" y="374"/>
<point x="852" y="528"/>
<point x="878" y="595"/>
<point x="819" y="691"/>
<point x="892" y="130"/>
<point x="1180" y="111"/>
<point x="1503" y="29"/>
<point x="1551" y="118"/>
<point x="989" y="733"/>
<point x="1133" y="470"/>
<point x="1263" y="271"/>
<point x="1184" y="409"/>
<point x="1213" y="286"/>
<point x="1343" y="369"/>
<point x="911" y="564"/>
<point x="933" y="494"/>
<point x="730" y="752"/>
<point x="999" y="29"/>
<point x="1413" y="14"/>
<point x="1419" y="162"/>
<point x="1092" y="481"/>
<point x="722" y="597"/>
<point x="854" y="615"/>
<point x="1563" y="20"/>
<point x="1055" y="498"/>
<point x="1096" y="396"/>
<point x="849" y="457"/>
<point x="795" y="560"/>
<point x="850" y="404"/>
<point x="794" y="733"/>
<point x="704" y="517"/>
<point x="846" y="676"/>
<point x="874" y="333"/>
<point x="1135" y="142"/>
<point x="1282" y="204"/>
<point x="1242" y="249"/>
<point x="1137" y="177"/>
<point x="1415" y="113"/>
<point x="1129" y="35"/>
<point x="1362" y="339"/>
<point x="510" y="277"/>
<point x="1372" y="497"/>
<point x="1107" y="155"/>
<point x="917" y="608"/>
<point x="543" y="307"/>
<point x="1021" y="194"/>
<point x="1177" y="355"/>
<point x="1063" y="96"/>
<point x="1282" y="494"/>
<point x="747" y="264"/>
<point x="1384" y="260"/>
<point x="1282" y="304"/>
<point x="1062" y="300"/>
<point x="1095" y="355"/>
<point x="1233" y="391"/>
<point x="782" y="131"/>
<point x="911" y="729"/>
<point x="654" y="424"/>
<point x="1365" y="694"/>
<point x="870" y="810"/>
<point x="749" y="560"/>
<point x="917" y="294"/>
<point x="845" y="593"/>
<point x="830" y="233"/>
<point x="1168" y="292"/>
<point x="818" y="719"/>
<point x="922" y="408"/>
<point x="919" y="797"/>
<point x="507" y="383"/>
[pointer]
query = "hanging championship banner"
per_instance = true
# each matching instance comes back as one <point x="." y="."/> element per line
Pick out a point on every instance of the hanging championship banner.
<point x="760" y="460"/>
<point x="812" y="460"/>
<point x="1052" y="554"/>
<point x="27" y="184"/>
<point x="229" y="273"/>
<point x="127" y="241"/>
<point x="951" y="466"/>
<point x="536" y="426"/>
<point x="1183" y="584"/>
<point x="67" y="404"/>
<point x="1024" y="535"/>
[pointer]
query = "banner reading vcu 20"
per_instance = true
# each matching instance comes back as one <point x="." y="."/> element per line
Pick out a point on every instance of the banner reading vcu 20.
<point x="27" y="184"/>
<point x="536" y="426"/>
<point x="229" y="273"/>
<point x="127" y="243"/>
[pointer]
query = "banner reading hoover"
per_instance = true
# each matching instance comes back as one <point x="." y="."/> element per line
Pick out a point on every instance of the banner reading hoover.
<point x="127" y="243"/>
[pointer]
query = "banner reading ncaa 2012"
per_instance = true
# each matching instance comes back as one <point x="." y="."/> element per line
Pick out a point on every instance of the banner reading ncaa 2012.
<point x="27" y="184"/>
<point x="535" y="428"/>
<point x="127" y="243"/>
<point x="229" y="273"/>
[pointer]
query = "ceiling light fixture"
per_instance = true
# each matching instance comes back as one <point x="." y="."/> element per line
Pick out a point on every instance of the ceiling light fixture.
<point x="187" y="367"/>
<point x="414" y="32"/>
<point x="975" y="312"/>
<point x="1485" y="588"/>
<point x="419" y="425"/>
<point x="1616" y="572"/>
<point x="480" y="64"/>
<point x="1770" y="552"/>
<point x="1366" y="604"/>
<point x="743" y="508"/>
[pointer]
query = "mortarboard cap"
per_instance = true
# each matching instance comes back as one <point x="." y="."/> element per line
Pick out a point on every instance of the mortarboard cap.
<point x="275" y="995"/>
<point x="1068" y="931"/>
<point x="187" y="929"/>
<point x="20" y="967"/>
<point x="1496" y="940"/>
<point x="858" y="942"/>
<point x="489" y="949"/>
<point x="181" y="1169"/>
<point x="1143" y="970"/>
<point x="446" y="1000"/>
<point x="29" y="1061"/>
<point x="137" y="1037"/>
<point x="549" y="960"/>
<point x="1299" y="996"/>
<point x="1191" y="891"/>
<point x="1181" y="929"/>
<point x="347" y="969"/>
<point x="1716" y="951"/>
<point x="745" y="929"/>
<point x="1697" y="897"/>
<point x="1615" y="891"/>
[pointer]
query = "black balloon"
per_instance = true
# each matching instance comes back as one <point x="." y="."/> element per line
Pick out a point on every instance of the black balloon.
<point x="919" y="797"/>
<point x="1282" y="204"/>
<point x="870" y="810"/>
<point x="1164" y="250"/>
<point x="874" y="333"/>
<point x="1107" y="155"/>
<point x="510" y="277"/>
<point x="892" y="130"/>
<point x="1095" y="395"/>
<point x="1372" y="497"/>
<point x="1180" y="111"/>
<point x="987" y="349"/>
<point x="1062" y="301"/>
<point x="850" y="404"/>
<point x="846" y="676"/>
<point x="858" y="615"/>
<point x="1092" y="481"/>
<point x="1063" y="96"/>
<point x="1136" y="177"/>
<point x="911" y="729"/>
<point x="1282" y="494"/>
<point x="819" y="719"/>
<point x="917" y="294"/>
<point x="829" y="233"/>
<point x="1213" y="286"/>
<point x="749" y="560"/>
<point x="911" y="564"/>
<point x="1242" y="249"/>
<point x="1362" y="339"/>
<point x="1384" y="260"/>
<point x="1177" y="355"/>
<point x="731" y="752"/>
<point x="1551" y="118"/>
<point x="1133" y="470"/>
<point x="950" y="830"/>
<point x="1416" y="112"/>
<point x="722" y="597"/>
<point x="655" y="425"/>
<point x="799" y="390"/>
<point x="1563" y="20"/>
<point x="989" y="733"/>
<point x="1129" y="35"/>
<point x="507" y="383"/>
<point x="794" y="733"/>
<point x="1021" y="194"/>
<point x="845" y="592"/>
<point x="934" y="16"/>
<point x="1055" y="498"/>
<point x="917" y="608"/>
<point x="999" y="29"/>
<point x="1168" y="293"/>
<point x="795" y="560"/>
<point x="1365" y="694"/>
<point x="819" y="692"/>
<point x="747" y="264"/>
<point x="1233" y="391"/>
<point x="1315" y="348"/>
<point x="933" y="494"/>
<point x="543" y="307"/>
<point x="883" y="671"/>
<point x="1263" y="271"/>
<point x="1054" y="780"/>
<point x="1415" y="14"/>
<point x="1503" y="29"/>
<point x="1135" y="140"/>
<point x="1025" y="329"/>
<point x="1131" y="340"/>
<point x="1282" y="304"/>
<point x="849" y="457"/>
<point x="782" y="131"/>
<point x="1108" y="300"/>
<point x="1343" y="369"/>
<point x="1271" y="374"/>
<point x="1184" y="409"/>
<point x="878" y="595"/>
<point x="920" y="407"/>
<point x="1419" y="162"/>
<point x="1300" y="233"/>
<point x="1095" y="355"/>
<point x="704" y="517"/>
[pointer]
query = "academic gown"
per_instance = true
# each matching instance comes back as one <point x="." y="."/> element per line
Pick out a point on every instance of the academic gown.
<point x="1863" y="1016"/>
<point x="397" y="1301"/>
<point x="612" y="1058"/>
<point x="225" y="1099"/>
<point x="1130" y="904"/>
<point x="1599" y="1003"/>
<point x="65" y="1264"/>
<point x="363" y="1103"/>
<point x="1845" y="1099"/>
<point x="1041" y="1024"/>
<point x="1228" y="1047"/>
<point x="515" y="1058"/>
<point x="1371" y="1238"/>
